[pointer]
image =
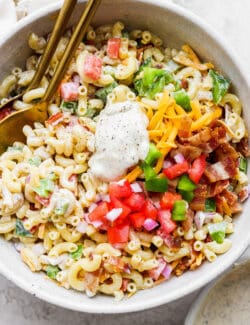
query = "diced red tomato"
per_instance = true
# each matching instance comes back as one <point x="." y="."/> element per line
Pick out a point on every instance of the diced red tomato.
<point x="92" y="67"/>
<point x="113" y="47"/>
<point x="99" y="212"/>
<point x="5" y="112"/>
<point x="69" y="91"/>
<point x="167" y="224"/>
<point x="118" y="233"/>
<point x="197" y="169"/>
<point x="168" y="199"/>
<point x="42" y="200"/>
<point x="137" y="219"/>
<point x="149" y="210"/>
<point x="54" y="119"/>
<point x="135" y="201"/>
<point x="116" y="203"/>
<point x="120" y="190"/>
<point x="176" y="170"/>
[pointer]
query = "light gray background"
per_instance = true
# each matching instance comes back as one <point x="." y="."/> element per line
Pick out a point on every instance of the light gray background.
<point x="231" y="20"/>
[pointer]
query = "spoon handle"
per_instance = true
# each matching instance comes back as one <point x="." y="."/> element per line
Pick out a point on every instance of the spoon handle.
<point x="74" y="42"/>
<point x="53" y="41"/>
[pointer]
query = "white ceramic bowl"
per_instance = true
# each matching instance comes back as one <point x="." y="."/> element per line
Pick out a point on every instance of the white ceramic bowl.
<point x="176" y="26"/>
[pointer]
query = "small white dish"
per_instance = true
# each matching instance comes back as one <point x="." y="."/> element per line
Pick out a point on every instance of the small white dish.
<point x="226" y="300"/>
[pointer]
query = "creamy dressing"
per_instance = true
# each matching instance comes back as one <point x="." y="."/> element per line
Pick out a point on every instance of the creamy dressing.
<point x="121" y="140"/>
<point x="228" y="302"/>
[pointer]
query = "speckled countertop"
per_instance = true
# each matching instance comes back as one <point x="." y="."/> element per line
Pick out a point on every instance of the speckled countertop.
<point x="231" y="19"/>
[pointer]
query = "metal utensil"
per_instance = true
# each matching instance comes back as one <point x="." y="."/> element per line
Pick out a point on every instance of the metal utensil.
<point x="12" y="125"/>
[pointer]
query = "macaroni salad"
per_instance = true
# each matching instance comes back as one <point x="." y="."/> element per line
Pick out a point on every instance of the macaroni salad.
<point x="137" y="174"/>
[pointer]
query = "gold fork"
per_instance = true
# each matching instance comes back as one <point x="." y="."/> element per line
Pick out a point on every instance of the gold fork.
<point x="12" y="125"/>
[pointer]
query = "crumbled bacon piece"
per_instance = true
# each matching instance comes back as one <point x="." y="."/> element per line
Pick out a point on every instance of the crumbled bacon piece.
<point x="187" y="224"/>
<point x="200" y="194"/>
<point x="200" y="137"/>
<point x="216" y="188"/>
<point x="189" y="152"/>
<point x="243" y="194"/>
<point x="243" y="147"/>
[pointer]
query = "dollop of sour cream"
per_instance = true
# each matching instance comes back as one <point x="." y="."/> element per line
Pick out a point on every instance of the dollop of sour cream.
<point x="121" y="140"/>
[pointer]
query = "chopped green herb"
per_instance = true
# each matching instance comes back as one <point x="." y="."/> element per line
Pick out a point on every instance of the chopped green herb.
<point x="217" y="231"/>
<point x="102" y="93"/>
<point x="15" y="148"/>
<point x="152" y="82"/>
<point x="157" y="184"/>
<point x="179" y="210"/>
<point x="52" y="271"/>
<point x="46" y="186"/>
<point x="220" y="86"/>
<point x="146" y="63"/>
<point x="182" y="99"/>
<point x="36" y="161"/>
<point x="210" y="205"/>
<point x="125" y="34"/>
<point x="152" y="155"/>
<point x="243" y="164"/>
<point x="61" y="207"/>
<point x="20" y="230"/>
<point x="69" y="106"/>
<point x="76" y="255"/>
<point x="185" y="184"/>
<point x="91" y="112"/>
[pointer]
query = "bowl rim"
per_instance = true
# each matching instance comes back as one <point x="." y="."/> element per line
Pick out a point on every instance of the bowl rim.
<point x="191" y="287"/>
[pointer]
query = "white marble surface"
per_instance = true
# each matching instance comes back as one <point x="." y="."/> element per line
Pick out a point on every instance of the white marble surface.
<point x="231" y="19"/>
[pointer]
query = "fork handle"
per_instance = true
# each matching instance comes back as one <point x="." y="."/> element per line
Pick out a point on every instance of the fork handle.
<point x="74" y="42"/>
<point x="53" y="41"/>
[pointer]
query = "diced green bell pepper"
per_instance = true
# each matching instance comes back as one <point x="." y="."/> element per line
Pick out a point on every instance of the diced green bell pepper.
<point x="217" y="231"/>
<point x="220" y="86"/>
<point x="185" y="184"/>
<point x="157" y="184"/>
<point x="182" y="99"/>
<point x="179" y="210"/>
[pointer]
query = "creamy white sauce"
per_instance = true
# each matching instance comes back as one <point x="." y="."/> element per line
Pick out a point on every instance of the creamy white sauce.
<point x="121" y="140"/>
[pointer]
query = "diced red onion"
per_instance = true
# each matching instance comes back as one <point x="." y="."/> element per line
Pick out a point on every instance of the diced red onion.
<point x="119" y="245"/>
<point x="76" y="78"/>
<point x="38" y="249"/>
<point x="121" y="182"/>
<point x="150" y="224"/>
<point x="248" y="188"/>
<point x="96" y="224"/>
<point x="167" y="271"/>
<point x="81" y="227"/>
<point x="136" y="188"/>
<point x="113" y="214"/>
<point x="155" y="273"/>
<point x="105" y="197"/>
<point x="179" y="158"/>
<point x="203" y="217"/>
<point x="27" y="179"/>
<point x="92" y="207"/>
<point x="167" y="164"/>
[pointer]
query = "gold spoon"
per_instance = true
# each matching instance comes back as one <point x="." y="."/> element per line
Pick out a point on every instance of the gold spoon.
<point x="11" y="126"/>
